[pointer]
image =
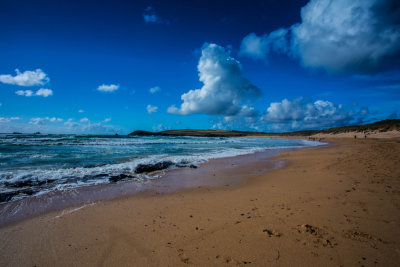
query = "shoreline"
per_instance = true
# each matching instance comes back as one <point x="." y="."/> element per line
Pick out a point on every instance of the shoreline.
<point x="333" y="205"/>
<point x="169" y="181"/>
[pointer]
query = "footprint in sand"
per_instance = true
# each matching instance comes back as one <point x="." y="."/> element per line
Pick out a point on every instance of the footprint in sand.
<point x="230" y="260"/>
<point x="272" y="233"/>
<point x="183" y="257"/>
<point x="363" y="237"/>
<point x="315" y="236"/>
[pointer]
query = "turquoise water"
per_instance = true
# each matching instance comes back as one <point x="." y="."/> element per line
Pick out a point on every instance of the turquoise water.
<point x="35" y="164"/>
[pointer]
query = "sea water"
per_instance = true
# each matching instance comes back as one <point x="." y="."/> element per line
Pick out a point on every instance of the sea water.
<point x="36" y="164"/>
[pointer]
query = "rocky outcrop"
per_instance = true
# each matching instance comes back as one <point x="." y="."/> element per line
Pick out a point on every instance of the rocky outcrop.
<point x="122" y="176"/>
<point x="8" y="196"/>
<point x="142" y="168"/>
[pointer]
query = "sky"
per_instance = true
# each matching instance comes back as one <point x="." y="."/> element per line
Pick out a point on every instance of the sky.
<point x="106" y="67"/>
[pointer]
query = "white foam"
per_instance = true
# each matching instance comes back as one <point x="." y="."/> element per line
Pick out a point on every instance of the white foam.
<point x="65" y="212"/>
<point x="70" y="177"/>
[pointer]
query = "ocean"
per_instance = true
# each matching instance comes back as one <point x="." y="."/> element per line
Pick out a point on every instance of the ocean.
<point x="31" y="165"/>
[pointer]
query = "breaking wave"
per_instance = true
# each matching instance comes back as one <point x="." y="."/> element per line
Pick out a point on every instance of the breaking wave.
<point x="36" y="164"/>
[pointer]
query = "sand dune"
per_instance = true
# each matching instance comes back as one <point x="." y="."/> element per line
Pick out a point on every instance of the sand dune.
<point x="369" y="134"/>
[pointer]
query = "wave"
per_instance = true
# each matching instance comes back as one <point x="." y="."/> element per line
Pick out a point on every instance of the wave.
<point x="105" y="141"/>
<point x="38" y="170"/>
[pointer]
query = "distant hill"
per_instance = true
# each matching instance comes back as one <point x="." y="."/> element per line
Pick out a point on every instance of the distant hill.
<point x="380" y="126"/>
<point x="195" y="132"/>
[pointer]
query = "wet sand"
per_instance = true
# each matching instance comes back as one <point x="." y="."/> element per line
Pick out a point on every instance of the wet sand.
<point x="333" y="205"/>
<point x="228" y="171"/>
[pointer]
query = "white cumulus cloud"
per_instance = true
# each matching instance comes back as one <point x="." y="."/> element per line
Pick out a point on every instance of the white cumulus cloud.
<point x="151" y="109"/>
<point x="55" y="125"/>
<point x="225" y="90"/>
<point x="302" y="113"/>
<point x="41" y="92"/>
<point x="155" y="89"/>
<point x="41" y="121"/>
<point x="54" y="119"/>
<point x="107" y="119"/>
<point x="44" y="92"/>
<point x="336" y="35"/>
<point x="84" y="120"/>
<point x="24" y="92"/>
<point x="108" y="88"/>
<point x="26" y="78"/>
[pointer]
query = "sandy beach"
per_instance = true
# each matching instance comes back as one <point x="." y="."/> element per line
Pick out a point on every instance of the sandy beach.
<point x="335" y="205"/>
<point x="200" y="133"/>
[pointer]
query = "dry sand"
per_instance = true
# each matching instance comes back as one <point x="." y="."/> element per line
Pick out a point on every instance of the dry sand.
<point x="330" y="206"/>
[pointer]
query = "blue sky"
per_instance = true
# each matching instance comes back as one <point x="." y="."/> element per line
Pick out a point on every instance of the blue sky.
<point x="119" y="66"/>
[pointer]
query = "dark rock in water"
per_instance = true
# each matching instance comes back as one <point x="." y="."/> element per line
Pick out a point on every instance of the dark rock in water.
<point x="116" y="178"/>
<point x="43" y="182"/>
<point x="5" y="197"/>
<point x="185" y="164"/>
<point x="141" y="168"/>
<point x="37" y="133"/>
<point x="19" y="184"/>
<point x="26" y="183"/>
<point x="181" y="165"/>
<point x="48" y="181"/>
<point x="28" y="191"/>
<point x="101" y="175"/>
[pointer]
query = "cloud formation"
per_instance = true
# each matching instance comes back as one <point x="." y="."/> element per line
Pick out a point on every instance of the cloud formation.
<point x="259" y="47"/>
<point x="41" y="121"/>
<point x="155" y="89"/>
<point x="70" y="126"/>
<point x="151" y="109"/>
<point x="108" y="88"/>
<point x="150" y="16"/>
<point x="44" y="92"/>
<point x="41" y="92"/>
<point x="26" y="78"/>
<point x="339" y="36"/>
<point x="302" y="113"/>
<point x="234" y="123"/>
<point x="5" y="120"/>
<point x="54" y="125"/>
<point x="225" y="90"/>
<point x="297" y="114"/>
<point x="160" y="127"/>
<point x="27" y="93"/>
